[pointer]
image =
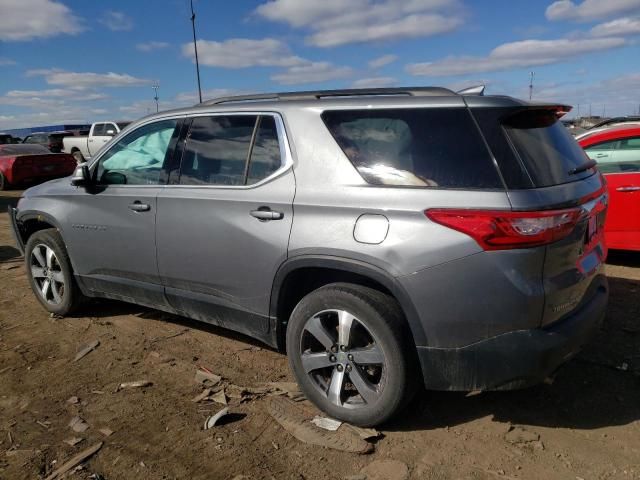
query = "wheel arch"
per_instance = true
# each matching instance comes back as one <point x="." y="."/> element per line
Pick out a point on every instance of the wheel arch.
<point x="32" y="221"/>
<point x="300" y="275"/>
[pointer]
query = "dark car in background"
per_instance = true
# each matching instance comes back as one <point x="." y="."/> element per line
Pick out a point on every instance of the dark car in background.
<point x="51" y="141"/>
<point x="5" y="139"/>
<point x="29" y="164"/>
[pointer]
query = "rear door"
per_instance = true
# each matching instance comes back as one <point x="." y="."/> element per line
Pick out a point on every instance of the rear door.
<point x="224" y="220"/>
<point x="545" y="169"/>
<point x="621" y="168"/>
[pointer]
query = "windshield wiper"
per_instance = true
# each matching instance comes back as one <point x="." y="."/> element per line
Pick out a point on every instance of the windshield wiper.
<point x="585" y="166"/>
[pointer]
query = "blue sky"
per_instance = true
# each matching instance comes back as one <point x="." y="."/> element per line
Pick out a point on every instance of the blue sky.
<point x="73" y="60"/>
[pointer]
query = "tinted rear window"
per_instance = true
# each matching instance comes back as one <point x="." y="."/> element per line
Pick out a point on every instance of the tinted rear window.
<point x="414" y="147"/>
<point x="545" y="147"/>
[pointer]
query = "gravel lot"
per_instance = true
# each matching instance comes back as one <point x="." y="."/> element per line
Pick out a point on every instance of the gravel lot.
<point x="586" y="425"/>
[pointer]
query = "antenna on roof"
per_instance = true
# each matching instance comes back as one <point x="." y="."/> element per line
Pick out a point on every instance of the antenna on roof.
<point x="476" y="90"/>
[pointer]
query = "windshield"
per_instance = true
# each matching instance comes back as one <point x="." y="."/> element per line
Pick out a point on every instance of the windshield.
<point x="546" y="148"/>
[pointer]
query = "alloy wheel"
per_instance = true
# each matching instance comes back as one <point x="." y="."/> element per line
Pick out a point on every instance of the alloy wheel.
<point x="47" y="274"/>
<point x="342" y="358"/>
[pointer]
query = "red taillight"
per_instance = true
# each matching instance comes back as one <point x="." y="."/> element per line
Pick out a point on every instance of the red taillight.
<point x="503" y="230"/>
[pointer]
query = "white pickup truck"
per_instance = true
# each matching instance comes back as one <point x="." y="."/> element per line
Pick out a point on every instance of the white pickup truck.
<point x="83" y="148"/>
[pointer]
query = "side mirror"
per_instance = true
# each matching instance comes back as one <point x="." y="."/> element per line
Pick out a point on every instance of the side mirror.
<point x="81" y="176"/>
<point x="110" y="133"/>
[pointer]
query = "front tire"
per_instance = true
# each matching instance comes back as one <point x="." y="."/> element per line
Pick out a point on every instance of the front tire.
<point x="346" y="346"/>
<point x="50" y="273"/>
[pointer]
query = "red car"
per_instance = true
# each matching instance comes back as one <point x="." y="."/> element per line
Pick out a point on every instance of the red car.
<point x="21" y="164"/>
<point x="617" y="151"/>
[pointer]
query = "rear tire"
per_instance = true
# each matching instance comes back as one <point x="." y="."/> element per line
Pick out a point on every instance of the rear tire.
<point x="347" y="349"/>
<point x="50" y="273"/>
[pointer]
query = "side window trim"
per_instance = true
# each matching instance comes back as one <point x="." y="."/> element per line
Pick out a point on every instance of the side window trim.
<point x="286" y="157"/>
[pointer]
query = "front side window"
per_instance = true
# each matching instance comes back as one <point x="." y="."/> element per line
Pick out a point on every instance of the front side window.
<point x="138" y="158"/>
<point x="110" y="129"/>
<point x="610" y="145"/>
<point x="622" y="157"/>
<point x="632" y="143"/>
<point x="420" y="147"/>
<point x="230" y="150"/>
<point x="265" y="154"/>
<point x="98" y="130"/>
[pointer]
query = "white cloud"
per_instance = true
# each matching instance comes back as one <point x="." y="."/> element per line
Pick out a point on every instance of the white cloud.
<point x="81" y="80"/>
<point x="589" y="9"/>
<point x="116" y="21"/>
<point x="243" y="53"/>
<point x="382" y="61"/>
<point x="374" y="82"/>
<point x="190" y="98"/>
<point x="23" y="20"/>
<point x="5" y="62"/>
<point x="312" y="72"/>
<point x="48" y="99"/>
<point x="508" y="56"/>
<point x="336" y="22"/>
<point x="151" y="46"/>
<point x="617" y="95"/>
<point x="621" y="26"/>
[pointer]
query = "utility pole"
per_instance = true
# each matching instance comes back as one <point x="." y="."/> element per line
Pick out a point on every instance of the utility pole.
<point x="195" y="48"/>
<point x="156" y="86"/>
<point x="531" y="74"/>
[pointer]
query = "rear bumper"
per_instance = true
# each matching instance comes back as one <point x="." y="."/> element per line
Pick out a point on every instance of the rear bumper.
<point x="516" y="359"/>
<point x="14" y="229"/>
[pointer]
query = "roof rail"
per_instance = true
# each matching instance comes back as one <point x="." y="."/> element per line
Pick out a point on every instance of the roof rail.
<point x="475" y="90"/>
<point x="320" y="94"/>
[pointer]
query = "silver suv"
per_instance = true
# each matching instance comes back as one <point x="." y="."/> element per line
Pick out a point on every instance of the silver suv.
<point x="383" y="238"/>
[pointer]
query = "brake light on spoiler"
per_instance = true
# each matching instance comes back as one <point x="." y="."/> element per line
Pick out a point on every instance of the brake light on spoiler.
<point x="504" y="230"/>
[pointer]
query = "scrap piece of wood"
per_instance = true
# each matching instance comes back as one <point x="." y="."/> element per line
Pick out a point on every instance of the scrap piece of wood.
<point x="136" y="384"/>
<point x="86" y="350"/>
<point x="75" y="460"/>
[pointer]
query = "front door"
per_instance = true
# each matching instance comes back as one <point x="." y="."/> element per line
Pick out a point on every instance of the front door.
<point x="223" y="222"/>
<point x="619" y="161"/>
<point x="111" y="227"/>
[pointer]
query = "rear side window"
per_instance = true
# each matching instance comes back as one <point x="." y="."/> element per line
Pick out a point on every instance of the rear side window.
<point x="545" y="147"/>
<point x="414" y="147"/>
<point x="230" y="150"/>
<point x="265" y="154"/>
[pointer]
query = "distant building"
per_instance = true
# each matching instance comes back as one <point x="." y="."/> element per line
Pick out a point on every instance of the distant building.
<point x="23" y="132"/>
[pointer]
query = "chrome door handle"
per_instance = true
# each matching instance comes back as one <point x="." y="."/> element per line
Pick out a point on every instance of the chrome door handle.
<point x="628" y="189"/>
<point x="265" y="214"/>
<point x="601" y="155"/>
<point x="139" y="207"/>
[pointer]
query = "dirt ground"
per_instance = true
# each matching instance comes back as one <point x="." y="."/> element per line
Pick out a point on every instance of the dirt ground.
<point x="586" y="425"/>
